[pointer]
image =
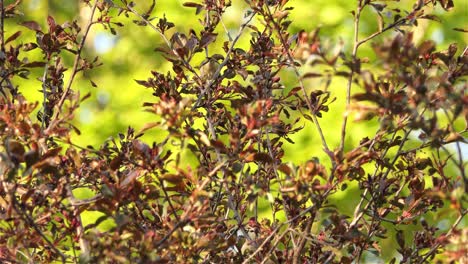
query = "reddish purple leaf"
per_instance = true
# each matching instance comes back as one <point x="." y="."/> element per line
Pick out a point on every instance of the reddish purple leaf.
<point x="33" y="25"/>
<point x="13" y="37"/>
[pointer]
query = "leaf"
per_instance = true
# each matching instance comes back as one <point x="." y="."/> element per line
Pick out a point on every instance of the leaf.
<point x="77" y="131"/>
<point x="427" y="47"/>
<point x="33" y="25"/>
<point x="15" y="150"/>
<point x="51" y="153"/>
<point x="93" y="83"/>
<point x="31" y="157"/>
<point x="116" y="162"/>
<point x="342" y="73"/>
<point x="461" y="30"/>
<point x="237" y="167"/>
<point x="198" y="7"/>
<point x="34" y="64"/>
<point x="263" y="157"/>
<point x="172" y="178"/>
<point x="150" y="9"/>
<point x="378" y="7"/>
<point x="86" y="96"/>
<point x="293" y="91"/>
<point x="219" y="145"/>
<point x="400" y="239"/>
<point x="285" y="169"/>
<point x="51" y="23"/>
<point x="130" y="177"/>
<point x="311" y="75"/>
<point x="143" y="83"/>
<point x="431" y="17"/>
<point x="148" y="126"/>
<point x="446" y="4"/>
<point x="13" y="37"/>
<point x="29" y="46"/>
<point x="191" y="4"/>
<point x="207" y="38"/>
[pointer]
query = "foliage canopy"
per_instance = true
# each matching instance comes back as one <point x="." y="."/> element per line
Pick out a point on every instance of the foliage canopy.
<point x="215" y="185"/>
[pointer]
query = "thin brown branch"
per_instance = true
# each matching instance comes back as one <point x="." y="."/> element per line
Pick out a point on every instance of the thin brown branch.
<point x="224" y="62"/>
<point x="168" y="43"/>
<point x="358" y="214"/>
<point x="301" y="84"/>
<point x="357" y="17"/>
<point x="2" y="26"/>
<point x="273" y="246"/>
<point x="5" y="74"/>
<point x="375" y="34"/>
<point x="44" y="95"/>
<point x="76" y="63"/>
<point x="439" y="244"/>
<point x="273" y="233"/>
<point x="28" y="219"/>
<point x="84" y="246"/>
<point x="179" y="224"/>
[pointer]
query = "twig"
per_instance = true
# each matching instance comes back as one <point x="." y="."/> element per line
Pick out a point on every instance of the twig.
<point x="375" y="34"/>
<point x="168" y="43"/>
<point x="179" y="224"/>
<point x="44" y="95"/>
<point x="84" y="246"/>
<point x="2" y="26"/>
<point x="301" y="84"/>
<point x="225" y="61"/>
<point x="301" y="214"/>
<point x="273" y="246"/>
<point x="268" y="238"/>
<point x="27" y="218"/>
<point x="2" y="47"/>
<point x="439" y="244"/>
<point x="314" y="119"/>
<point x="76" y="62"/>
<point x="357" y="17"/>
<point x="358" y="214"/>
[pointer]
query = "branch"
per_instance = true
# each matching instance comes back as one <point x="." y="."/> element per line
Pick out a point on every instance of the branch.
<point x="2" y="26"/>
<point x="84" y="246"/>
<point x="225" y="61"/>
<point x="44" y="95"/>
<point x="2" y="48"/>
<point x="75" y="63"/>
<point x="28" y="219"/>
<point x="168" y="43"/>
<point x="439" y="244"/>
<point x="301" y="84"/>
<point x="301" y="214"/>
<point x="358" y="214"/>
<point x="350" y="79"/>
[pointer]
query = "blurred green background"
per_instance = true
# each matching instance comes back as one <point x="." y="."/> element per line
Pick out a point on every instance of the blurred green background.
<point x="129" y="56"/>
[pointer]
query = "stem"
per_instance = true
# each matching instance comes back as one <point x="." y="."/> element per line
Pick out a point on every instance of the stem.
<point x="350" y="79"/>
<point x="84" y="246"/>
<point x="44" y="95"/>
<point x="438" y="244"/>
<point x="2" y="26"/>
<point x="28" y="219"/>
<point x="225" y="61"/>
<point x="168" y="43"/>
<point x="2" y="48"/>
<point x="301" y="84"/>
<point x="76" y="62"/>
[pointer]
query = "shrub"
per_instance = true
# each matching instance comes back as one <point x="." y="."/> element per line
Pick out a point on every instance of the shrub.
<point x="234" y="114"/>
